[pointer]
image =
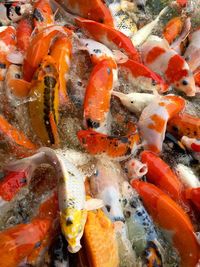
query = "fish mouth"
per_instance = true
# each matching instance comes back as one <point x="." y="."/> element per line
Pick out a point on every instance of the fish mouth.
<point x="119" y="218"/>
<point x="74" y="249"/>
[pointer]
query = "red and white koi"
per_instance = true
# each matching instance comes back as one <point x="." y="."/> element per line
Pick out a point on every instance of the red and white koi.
<point x="71" y="192"/>
<point x="135" y="102"/>
<point x="13" y="11"/>
<point x="187" y="176"/>
<point x="109" y="36"/>
<point x="24" y="31"/>
<point x="153" y="120"/>
<point x="7" y="45"/>
<point x="104" y="185"/>
<point x="142" y="77"/>
<point x="159" y="57"/>
<point x="95" y="12"/>
<point x="191" y="143"/>
<point x="135" y="169"/>
<point x="192" y="53"/>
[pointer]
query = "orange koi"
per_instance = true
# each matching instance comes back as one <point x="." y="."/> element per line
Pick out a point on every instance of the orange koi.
<point x="24" y="31"/>
<point x="184" y="124"/>
<point x="113" y="146"/>
<point x="16" y="137"/>
<point x="138" y="70"/>
<point x="192" y="144"/>
<point x="98" y="94"/>
<point x="39" y="47"/>
<point x="153" y="120"/>
<point x="43" y="110"/>
<point x="97" y="11"/>
<point x="48" y="210"/>
<point x="172" y="29"/>
<point x="11" y="183"/>
<point x="61" y="52"/>
<point x="42" y="15"/>
<point x="159" y="57"/>
<point x="110" y="37"/>
<point x="160" y="174"/>
<point x="7" y="45"/>
<point x="193" y="194"/>
<point x="99" y="237"/>
<point x="17" y="242"/>
<point x="170" y="217"/>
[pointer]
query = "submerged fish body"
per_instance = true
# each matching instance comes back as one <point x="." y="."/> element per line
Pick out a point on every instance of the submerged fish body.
<point x="141" y="230"/>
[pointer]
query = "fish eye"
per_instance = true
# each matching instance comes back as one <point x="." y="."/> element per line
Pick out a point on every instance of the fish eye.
<point x="69" y="221"/>
<point x="108" y="207"/>
<point x="127" y="214"/>
<point x="184" y="82"/>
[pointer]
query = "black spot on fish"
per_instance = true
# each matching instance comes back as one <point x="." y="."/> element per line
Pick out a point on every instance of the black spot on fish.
<point x="128" y="151"/>
<point x="8" y="10"/>
<point x="175" y="128"/>
<point x="108" y="207"/>
<point x="124" y="140"/>
<point x="38" y="244"/>
<point x="101" y="20"/>
<point x="108" y="71"/>
<point x="92" y="124"/>
<point x="18" y="10"/>
<point x="23" y="181"/>
<point x="2" y="66"/>
<point x="38" y="15"/>
<point x="49" y="81"/>
<point x="97" y="51"/>
<point x="69" y="221"/>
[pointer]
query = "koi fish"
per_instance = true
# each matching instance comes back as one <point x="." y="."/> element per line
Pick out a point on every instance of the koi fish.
<point x="141" y="35"/>
<point x="109" y="36"/>
<point x="24" y="31"/>
<point x="42" y="14"/>
<point x="39" y="48"/>
<point x="135" y="169"/>
<point x="122" y="20"/>
<point x="43" y="109"/>
<point x="141" y="230"/>
<point x="168" y="181"/>
<point x="15" y="137"/>
<point x="99" y="237"/>
<point x="161" y="208"/>
<point x="95" y="12"/>
<point x="19" y="241"/>
<point x="113" y="146"/>
<point x="97" y="51"/>
<point x="7" y="45"/>
<point x="159" y="57"/>
<point x="71" y="192"/>
<point x="172" y="29"/>
<point x="98" y="94"/>
<point x="13" y="11"/>
<point x="142" y="77"/>
<point x="187" y="176"/>
<point x="61" y="52"/>
<point x="192" y="53"/>
<point x="193" y="145"/>
<point x="135" y="102"/>
<point x="153" y="120"/>
<point x="193" y="194"/>
<point x="184" y="124"/>
<point x="104" y="185"/>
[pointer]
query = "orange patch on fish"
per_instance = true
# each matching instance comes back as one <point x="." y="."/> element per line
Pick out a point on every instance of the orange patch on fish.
<point x="154" y="53"/>
<point x="175" y="71"/>
<point x="158" y="124"/>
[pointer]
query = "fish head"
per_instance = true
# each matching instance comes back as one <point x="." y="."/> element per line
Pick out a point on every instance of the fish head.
<point x="187" y="85"/>
<point x="72" y="224"/>
<point x="112" y="205"/>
